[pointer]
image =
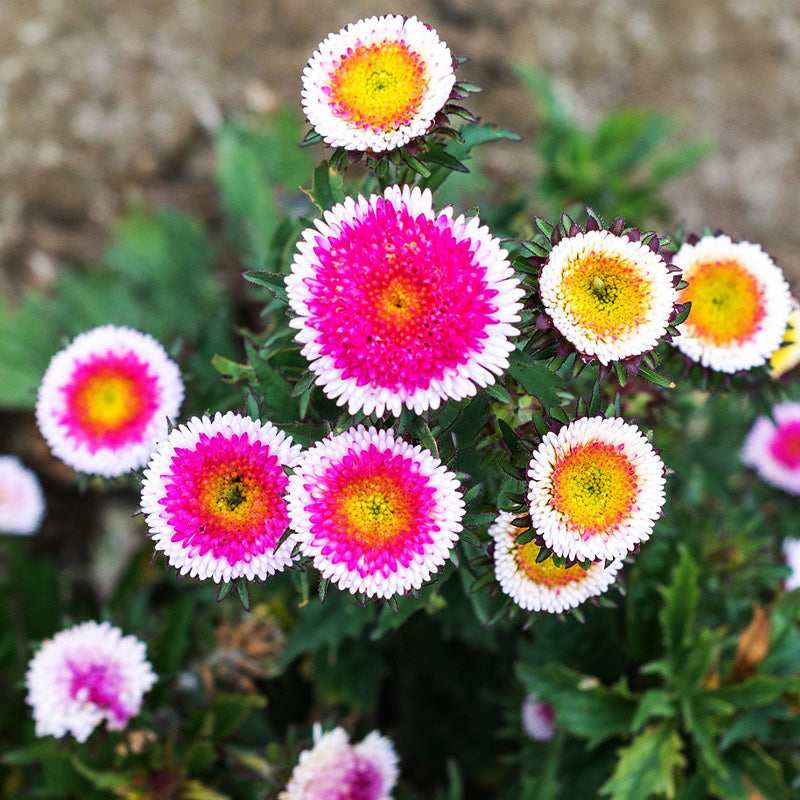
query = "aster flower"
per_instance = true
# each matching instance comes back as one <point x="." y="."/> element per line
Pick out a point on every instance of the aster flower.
<point x="544" y="586"/>
<point x="787" y="356"/>
<point x="397" y="305"/>
<point x="21" y="499"/>
<point x="378" y="84"/>
<point x="610" y="294"/>
<point x="791" y="552"/>
<point x="773" y="448"/>
<point x="334" y="769"/>
<point x="213" y="494"/>
<point x="106" y="399"/>
<point x="376" y="514"/>
<point x="740" y="303"/>
<point x="595" y="489"/>
<point x="538" y="718"/>
<point x="85" y="675"/>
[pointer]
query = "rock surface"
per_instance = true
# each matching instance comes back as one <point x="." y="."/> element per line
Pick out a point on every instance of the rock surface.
<point x="101" y="102"/>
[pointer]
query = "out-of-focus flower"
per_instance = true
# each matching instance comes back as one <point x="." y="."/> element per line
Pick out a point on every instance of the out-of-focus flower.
<point x="398" y="305"/>
<point x="543" y="586"/>
<point x="787" y="356"/>
<point x="538" y="718"/>
<point x="85" y="675"/>
<point x="334" y="769"/>
<point x="21" y="499"/>
<point x="740" y="303"/>
<point x="610" y="295"/>
<point x="595" y="489"/>
<point x="378" y="84"/>
<point x="772" y="449"/>
<point x="791" y="552"/>
<point x="213" y="494"/>
<point x="107" y="398"/>
<point x="377" y="514"/>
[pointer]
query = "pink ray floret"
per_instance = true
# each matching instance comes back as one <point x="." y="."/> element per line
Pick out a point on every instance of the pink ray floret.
<point x="772" y="448"/>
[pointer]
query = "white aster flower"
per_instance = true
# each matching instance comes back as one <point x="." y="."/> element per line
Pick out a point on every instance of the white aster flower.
<point x="213" y="495"/>
<point x="334" y="769"/>
<point x="740" y="304"/>
<point x="21" y="499"/>
<point x="791" y="552"/>
<point x="400" y="306"/>
<point x="377" y="514"/>
<point x="595" y="489"/>
<point x="787" y="356"/>
<point x="106" y="399"/>
<point x="377" y="84"/>
<point x="86" y="675"/>
<point x="543" y="586"/>
<point x="772" y="449"/>
<point x="611" y="297"/>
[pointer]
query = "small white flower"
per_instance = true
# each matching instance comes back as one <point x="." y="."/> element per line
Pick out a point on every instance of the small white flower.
<point x="773" y="448"/>
<point x="543" y="586"/>
<point x="86" y="675"/>
<point x="213" y="494"/>
<point x="377" y="84"/>
<point x="595" y="489"/>
<point x="106" y="399"/>
<point x="21" y="498"/>
<point x="791" y="552"/>
<point x="538" y="718"/>
<point x="740" y="304"/>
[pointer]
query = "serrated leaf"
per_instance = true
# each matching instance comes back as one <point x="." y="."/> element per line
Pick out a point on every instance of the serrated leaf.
<point x="680" y="603"/>
<point x="647" y="767"/>
<point x="327" y="188"/>
<point x="274" y="281"/>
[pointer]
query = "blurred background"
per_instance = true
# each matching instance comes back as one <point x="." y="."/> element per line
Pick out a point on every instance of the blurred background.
<point x="105" y="103"/>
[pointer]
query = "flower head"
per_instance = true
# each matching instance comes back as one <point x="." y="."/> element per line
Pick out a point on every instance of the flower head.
<point x="397" y="305"/>
<point x="595" y="489"/>
<point x="377" y="514"/>
<point x="543" y="586"/>
<point x="334" y="769"/>
<point x="538" y="718"/>
<point x="377" y="84"/>
<point x="21" y="499"/>
<point x="213" y="494"/>
<point x="106" y="399"/>
<point x="773" y="448"/>
<point x="609" y="294"/>
<point x="787" y="356"/>
<point x="85" y="675"/>
<point x="791" y="552"/>
<point x="740" y="303"/>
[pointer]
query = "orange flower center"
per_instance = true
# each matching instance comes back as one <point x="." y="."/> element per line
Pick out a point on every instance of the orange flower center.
<point x="107" y="401"/>
<point x="546" y="573"/>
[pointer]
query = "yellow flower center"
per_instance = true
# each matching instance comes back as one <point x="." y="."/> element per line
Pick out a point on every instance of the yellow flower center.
<point x="726" y="302"/>
<point x="594" y="487"/>
<point x="374" y="510"/>
<point x="546" y="573"/>
<point x="108" y="401"/>
<point x="379" y="86"/>
<point x="606" y="294"/>
<point x="231" y="497"/>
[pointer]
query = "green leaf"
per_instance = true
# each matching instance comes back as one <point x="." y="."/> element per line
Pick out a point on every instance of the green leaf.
<point x="231" y="371"/>
<point x="327" y="188"/>
<point x="274" y="281"/>
<point x="678" y="612"/>
<point x="647" y="767"/>
<point x="654" y="703"/>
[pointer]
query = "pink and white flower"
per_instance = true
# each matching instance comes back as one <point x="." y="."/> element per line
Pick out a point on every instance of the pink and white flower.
<point x="107" y="398"/>
<point x="334" y="769"/>
<point x="22" y="503"/>
<point x="377" y="84"/>
<point x="772" y="449"/>
<point x="791" y="552"/>
<point x="86" y="675"/>
<point x="376" y="514"/>
<point x="538" y="718"/>
<point x="213" y="494"/>
<point x="400" y="306"/>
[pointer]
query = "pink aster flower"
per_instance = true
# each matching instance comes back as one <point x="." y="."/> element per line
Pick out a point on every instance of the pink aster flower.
<point x="21" y="499"/>
<point x="740" y="303"/>
<point x="377" y="514"/>
<point x="86" y="675"/>
<point x="595" y="489"/>
<point x="377" y="84"/>
<point x="398" y="305"/>
<point x="773" y="448"/>
<point x="213" y="494"/>
<point x="543" y="586"/>
<point x="334" y="769"/>
<point x="538" y="718"/>
<point x="106" y="399"/>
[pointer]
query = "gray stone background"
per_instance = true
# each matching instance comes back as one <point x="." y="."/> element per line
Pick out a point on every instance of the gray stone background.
<point x="104" y="101"/>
